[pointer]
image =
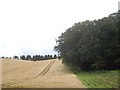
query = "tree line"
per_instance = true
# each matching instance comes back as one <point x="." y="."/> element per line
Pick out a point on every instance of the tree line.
<point x="35" y="57"/>
<point x="92" y="45"/>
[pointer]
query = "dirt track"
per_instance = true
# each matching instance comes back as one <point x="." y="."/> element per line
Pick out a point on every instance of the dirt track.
<point x="38" y="74"/>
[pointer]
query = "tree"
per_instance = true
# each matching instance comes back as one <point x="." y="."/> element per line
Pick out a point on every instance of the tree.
<point x="22" y="57"/>
<point x="2" y="57"/>
<point x="28" y="57"/>
<point x="55" y="56"/>
<point x="91" y="44"/>
<point x="16" y="57"/>
<point x="50" y="56"/>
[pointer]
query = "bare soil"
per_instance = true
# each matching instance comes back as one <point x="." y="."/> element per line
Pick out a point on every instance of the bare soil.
<point x="37" y="74"/>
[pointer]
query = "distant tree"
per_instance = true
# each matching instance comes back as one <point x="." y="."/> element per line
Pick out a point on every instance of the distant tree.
<point x="50" y="56"/>
<point x="55" y="56"/>
<point x="22" y="57"/>
<point x="45" y="57"/>
<point x="38" y="57"/>
<point x="28" y="57"/>
<point x="2" y="57"/>
<point x="41" y="57"/>
<point x="15" y="57"/>
<point x="34" y="57"/>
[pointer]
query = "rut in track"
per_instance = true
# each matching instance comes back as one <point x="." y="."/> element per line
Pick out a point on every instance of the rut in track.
<point x="46" y="69"/>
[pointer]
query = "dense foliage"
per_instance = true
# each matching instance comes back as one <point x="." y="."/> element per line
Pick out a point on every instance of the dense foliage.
<point x="91" y="45"/>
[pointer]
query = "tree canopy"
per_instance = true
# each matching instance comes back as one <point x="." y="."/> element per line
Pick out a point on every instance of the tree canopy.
<point x="92" y="45"/>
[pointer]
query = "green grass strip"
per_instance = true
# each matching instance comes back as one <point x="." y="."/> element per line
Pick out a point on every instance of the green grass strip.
<point x="99" y="79"/>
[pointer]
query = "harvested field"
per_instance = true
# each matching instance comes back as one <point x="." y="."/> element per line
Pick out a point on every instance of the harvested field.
<point x="37" y="74"/>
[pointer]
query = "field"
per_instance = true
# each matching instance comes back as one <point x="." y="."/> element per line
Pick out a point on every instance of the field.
<point x="52" y="74"/>
<point x="99" y="79"/>
<point x="37" y="74"/>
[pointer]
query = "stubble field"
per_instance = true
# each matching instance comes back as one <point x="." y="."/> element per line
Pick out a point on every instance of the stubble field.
<point x="37" y="74"/>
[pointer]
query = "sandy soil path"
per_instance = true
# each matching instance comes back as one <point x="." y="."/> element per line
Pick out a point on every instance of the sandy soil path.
<point x="38" y="74"/>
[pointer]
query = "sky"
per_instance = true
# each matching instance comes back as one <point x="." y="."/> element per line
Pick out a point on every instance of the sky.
<point x="31" y="27"/>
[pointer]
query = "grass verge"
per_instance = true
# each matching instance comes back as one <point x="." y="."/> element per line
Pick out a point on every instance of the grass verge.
<point x="99" y="79"/>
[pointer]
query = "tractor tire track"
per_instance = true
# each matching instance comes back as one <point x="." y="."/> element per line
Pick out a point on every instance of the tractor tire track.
<point x="46" y="69"/>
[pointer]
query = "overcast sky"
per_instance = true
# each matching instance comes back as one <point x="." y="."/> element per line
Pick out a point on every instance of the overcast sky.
<point x="31" y="26"/>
